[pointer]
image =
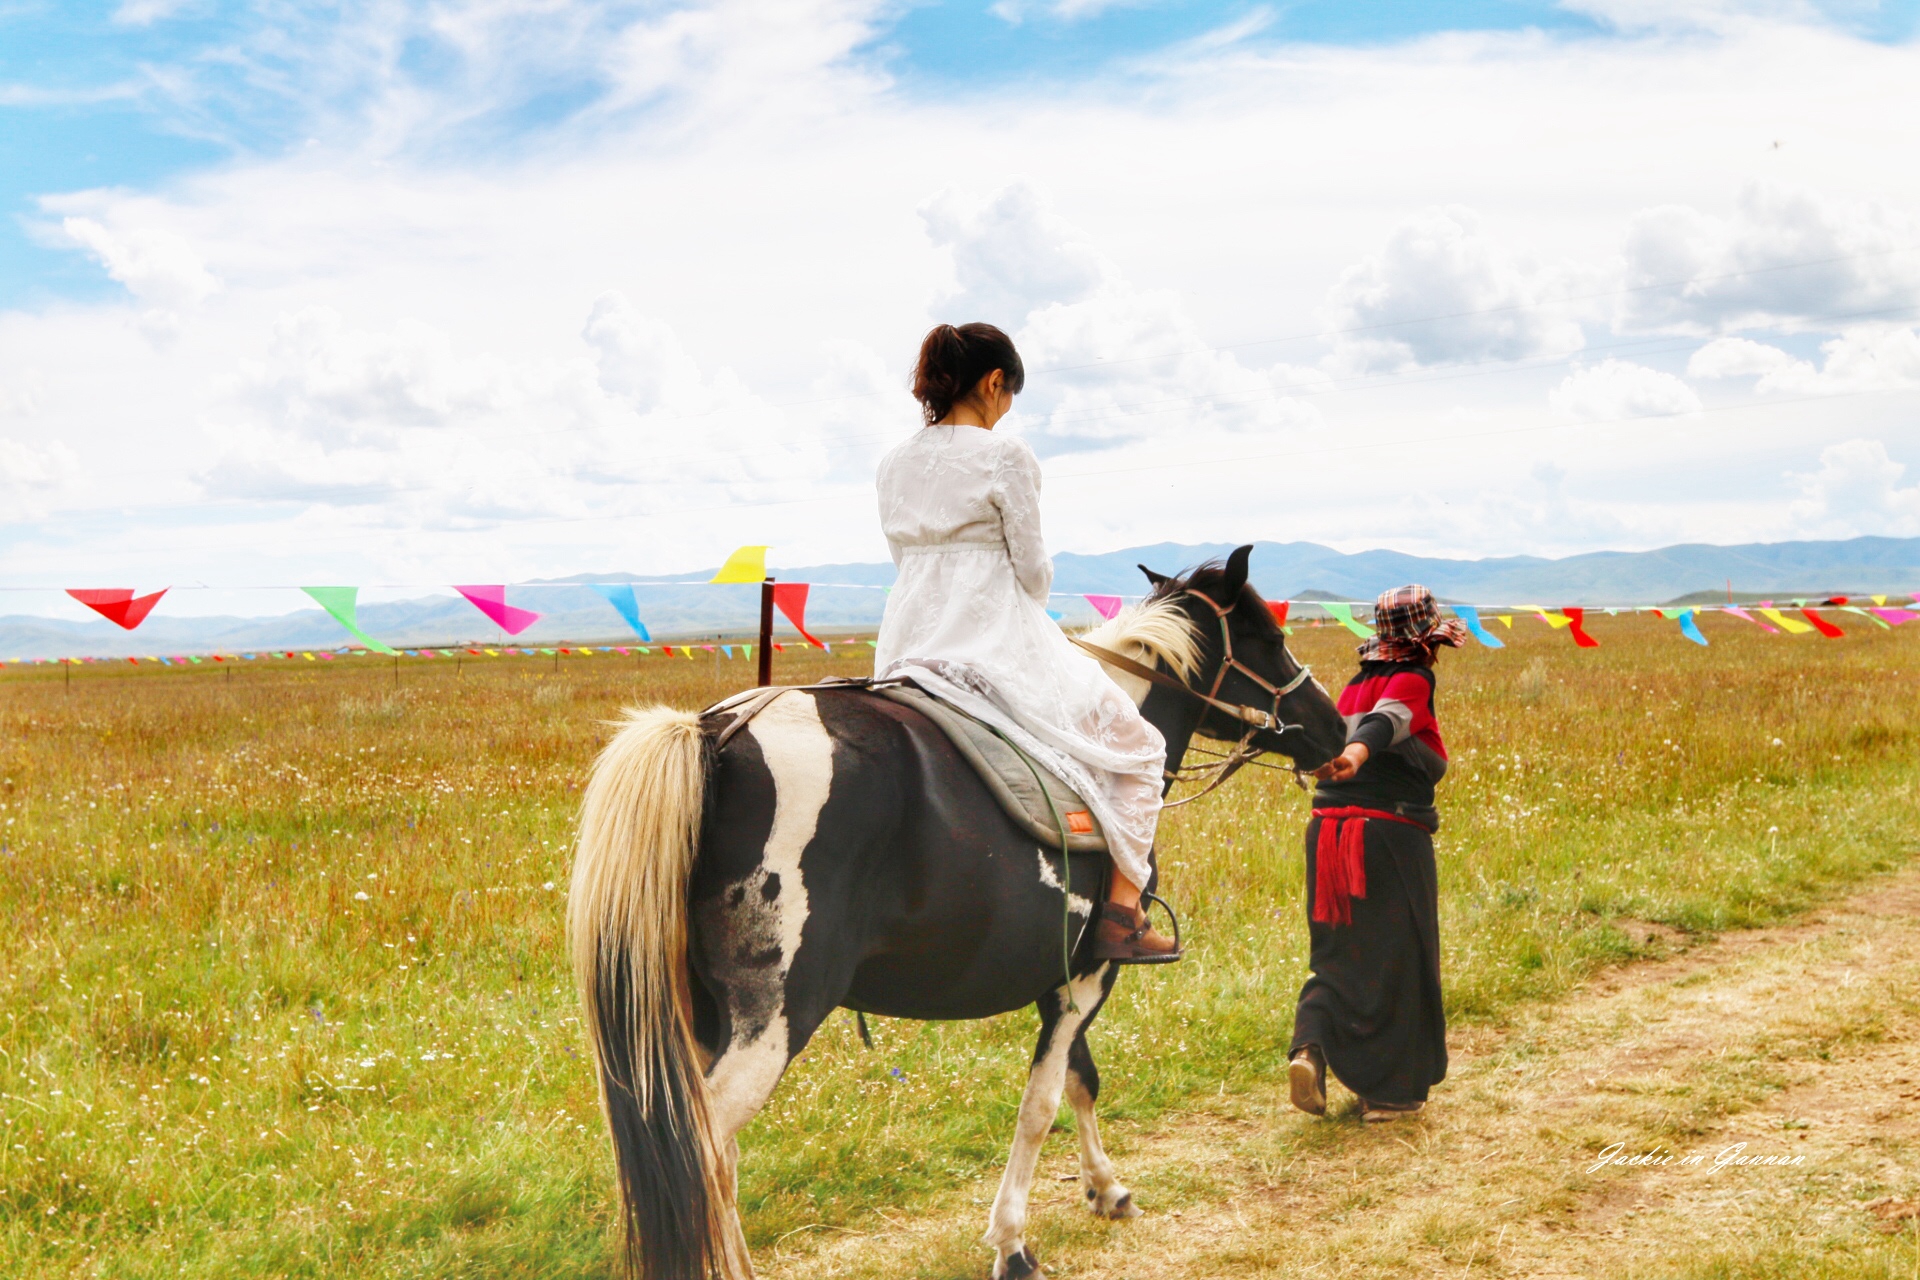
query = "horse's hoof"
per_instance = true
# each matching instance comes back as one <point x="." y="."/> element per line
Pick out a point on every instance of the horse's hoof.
<point x="1018" y="1266"/>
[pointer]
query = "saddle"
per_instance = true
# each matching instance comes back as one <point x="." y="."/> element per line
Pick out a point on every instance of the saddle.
<point x="1030" y="792"/>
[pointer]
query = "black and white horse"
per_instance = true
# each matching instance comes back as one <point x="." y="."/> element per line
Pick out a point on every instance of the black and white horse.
<point x="839" y="852"/>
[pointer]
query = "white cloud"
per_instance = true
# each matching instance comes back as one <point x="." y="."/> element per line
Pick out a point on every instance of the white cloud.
<point x="1857" y="491"/>
<point x="1865" y="358"/>
<point x="350" y="418"/>
<point x="1786" y="256"/>
<point x="1012" y="254"/>
<point x="144" y="13"/>
<point x="328" y="382"/>
<point x="753" y="183"/>
<point x="1083" y="330"/>
<point x="1444" y="290"/>
<point x="1736" y="358"/>
<point x="1016" y="12"/>
<point x="157" y="266"/>
<point x="33" y="476"/>
<point x="1641" y="16"/>
<point x="1615" y="389"/>
<point x="640" y="360"/>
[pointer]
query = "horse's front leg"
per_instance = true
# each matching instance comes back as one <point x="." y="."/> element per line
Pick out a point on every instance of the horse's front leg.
<point x="1060" y="1029"/>
<point x="1105" y="1194"/>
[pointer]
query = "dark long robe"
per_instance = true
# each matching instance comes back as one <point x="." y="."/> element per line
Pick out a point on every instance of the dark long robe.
<point x="1373" y="1003"/>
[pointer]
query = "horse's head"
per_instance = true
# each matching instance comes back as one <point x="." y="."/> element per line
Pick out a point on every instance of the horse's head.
<point x="1243" y="660"/>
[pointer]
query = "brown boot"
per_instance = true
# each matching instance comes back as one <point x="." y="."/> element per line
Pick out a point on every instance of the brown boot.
<point x="1307" y="1080"/>
<point x="1124" y="935"/>
<point x="1387" y="1112"/>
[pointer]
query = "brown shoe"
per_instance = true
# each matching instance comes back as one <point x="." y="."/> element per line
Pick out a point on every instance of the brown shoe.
<point x="1385" y="1112"/>
<point x="1124" y="935"/>
<point x="1307" y="1076"/>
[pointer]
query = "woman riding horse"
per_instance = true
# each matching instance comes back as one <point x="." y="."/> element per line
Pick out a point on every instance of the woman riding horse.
<point x="742" y="873"/>
<point x="967" y="620"/>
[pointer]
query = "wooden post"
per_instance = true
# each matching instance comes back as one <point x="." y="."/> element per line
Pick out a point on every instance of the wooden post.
<point x="766" y="632"/>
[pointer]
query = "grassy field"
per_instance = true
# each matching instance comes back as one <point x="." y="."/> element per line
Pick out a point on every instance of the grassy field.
<point x="284" y="991"/>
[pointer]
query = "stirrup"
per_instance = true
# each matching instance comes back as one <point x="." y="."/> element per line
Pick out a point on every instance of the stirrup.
<point x="1170" y="957"/>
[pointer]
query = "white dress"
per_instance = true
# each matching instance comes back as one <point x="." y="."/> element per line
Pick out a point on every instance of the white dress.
<point x="968" y="621"/>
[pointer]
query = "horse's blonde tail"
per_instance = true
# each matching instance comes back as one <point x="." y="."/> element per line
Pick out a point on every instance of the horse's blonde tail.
<point x="627" y="931"/>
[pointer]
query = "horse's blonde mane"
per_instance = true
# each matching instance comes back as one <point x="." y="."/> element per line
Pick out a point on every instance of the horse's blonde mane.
<point x="1154" y="629"/>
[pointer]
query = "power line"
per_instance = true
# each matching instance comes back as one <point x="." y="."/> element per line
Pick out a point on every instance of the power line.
<point x="864" y="493"/>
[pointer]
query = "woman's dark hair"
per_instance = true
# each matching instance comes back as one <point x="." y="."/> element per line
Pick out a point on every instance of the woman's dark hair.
<point x="952" y="362"/>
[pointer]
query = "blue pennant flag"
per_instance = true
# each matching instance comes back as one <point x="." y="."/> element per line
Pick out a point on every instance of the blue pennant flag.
<point x="620" y="596"/>
<point x="1471" y="616"/>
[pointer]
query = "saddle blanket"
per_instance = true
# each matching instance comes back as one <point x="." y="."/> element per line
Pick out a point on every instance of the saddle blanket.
<point x="1008" y="773"/>
<point x="1005" y="771"/>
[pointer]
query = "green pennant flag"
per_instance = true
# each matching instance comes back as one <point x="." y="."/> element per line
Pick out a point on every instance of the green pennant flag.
<point x="1343" y="613"/>
<point x="339" y="601"/>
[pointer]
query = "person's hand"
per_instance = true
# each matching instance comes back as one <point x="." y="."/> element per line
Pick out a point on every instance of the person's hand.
<point x="1344" y="765"/>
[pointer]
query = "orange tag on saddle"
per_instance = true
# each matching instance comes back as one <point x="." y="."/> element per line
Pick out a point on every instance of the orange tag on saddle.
<point x="1080" y="823"/>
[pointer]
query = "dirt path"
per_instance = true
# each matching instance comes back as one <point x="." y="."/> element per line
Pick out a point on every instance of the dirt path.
<point x="1800" y="1042"/>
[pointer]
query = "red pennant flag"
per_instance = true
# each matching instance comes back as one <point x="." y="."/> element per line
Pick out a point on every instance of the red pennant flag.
<point x="118" y="605"/>
<point x="1279" y="610"/>
<point x="791" y="599"/>
<point x="1821" y="625"/>
<point x="1578" y="617"/>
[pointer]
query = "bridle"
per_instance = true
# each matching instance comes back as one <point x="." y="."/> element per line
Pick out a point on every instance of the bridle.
<point x="1254" y="718"/>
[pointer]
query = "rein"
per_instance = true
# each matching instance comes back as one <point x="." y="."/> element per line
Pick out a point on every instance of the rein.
<point x="1253" y="717"/>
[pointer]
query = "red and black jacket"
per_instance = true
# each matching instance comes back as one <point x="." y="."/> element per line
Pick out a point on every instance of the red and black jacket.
<point x="1389" y="707"/>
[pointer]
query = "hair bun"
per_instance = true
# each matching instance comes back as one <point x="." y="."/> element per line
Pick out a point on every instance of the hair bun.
<point x="952" y="362"/>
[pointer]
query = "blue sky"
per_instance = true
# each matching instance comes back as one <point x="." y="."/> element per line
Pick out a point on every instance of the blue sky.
<point x="497" y="289"/>
<point x="134" y="93"/>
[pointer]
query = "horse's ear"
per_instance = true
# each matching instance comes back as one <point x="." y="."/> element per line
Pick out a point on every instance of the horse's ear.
<point x="1157" y="579"/>
<point x="1236" y="573"/>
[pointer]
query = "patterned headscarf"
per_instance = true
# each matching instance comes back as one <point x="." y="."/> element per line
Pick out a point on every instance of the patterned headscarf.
<point x="1408" y="628"/>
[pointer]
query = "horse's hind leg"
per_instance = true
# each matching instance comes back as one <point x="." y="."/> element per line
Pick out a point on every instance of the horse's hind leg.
<point x="1105" y="1195"/>
<point x="1060" y="1030"/>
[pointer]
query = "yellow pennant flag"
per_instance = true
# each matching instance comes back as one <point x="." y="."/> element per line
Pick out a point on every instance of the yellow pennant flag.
<point x="492" y="653"/>
<point x="746" y="564"/>
<point x="1786" y="624"/>
<point x="307" y="656"/>
<point x="1879" y="599"/>
<point x="1506" y="620"/>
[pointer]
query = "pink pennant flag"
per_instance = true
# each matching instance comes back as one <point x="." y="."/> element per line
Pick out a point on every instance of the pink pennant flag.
<point x="1105" y="606"/>
<point x="1742" y="613"/>
<point x="492" y="601"/>
<point x="1894" y="616"/>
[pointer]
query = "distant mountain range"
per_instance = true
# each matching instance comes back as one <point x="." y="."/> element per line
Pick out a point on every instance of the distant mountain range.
<point x="686" y="607"/>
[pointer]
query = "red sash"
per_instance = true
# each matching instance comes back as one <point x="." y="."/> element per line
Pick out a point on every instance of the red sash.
<point x="1340" y="860"/>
